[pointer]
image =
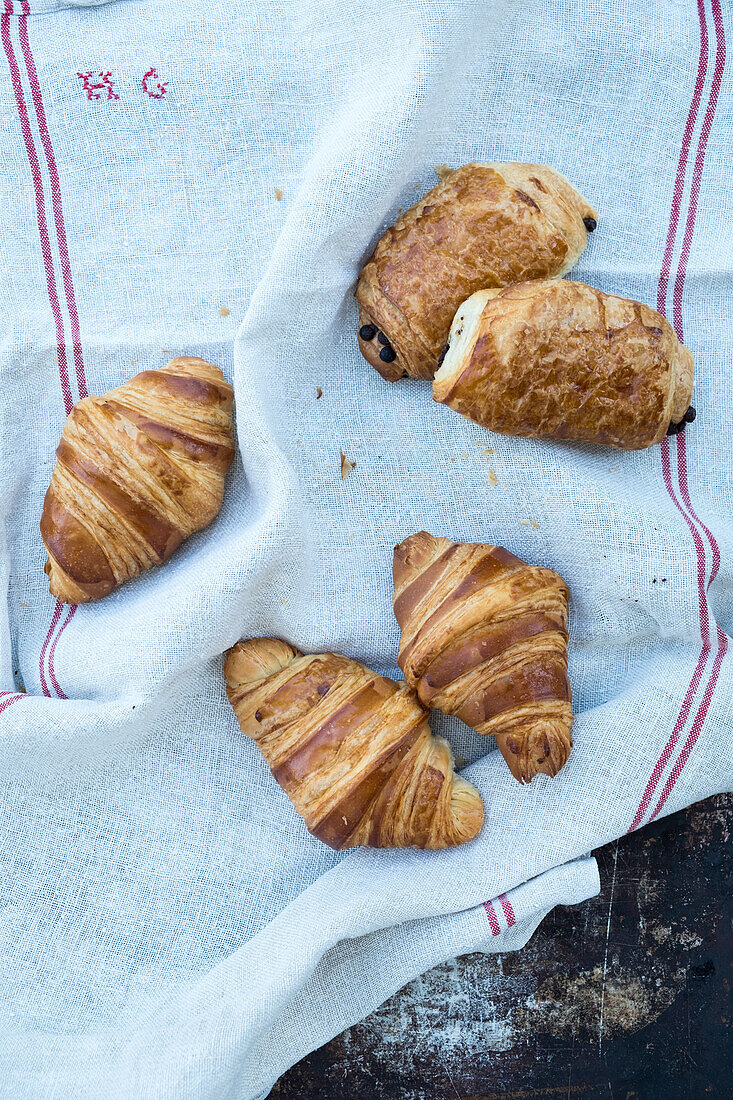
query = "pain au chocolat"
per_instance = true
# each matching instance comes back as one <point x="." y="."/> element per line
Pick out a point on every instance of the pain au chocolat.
<point x="484" y="225"/>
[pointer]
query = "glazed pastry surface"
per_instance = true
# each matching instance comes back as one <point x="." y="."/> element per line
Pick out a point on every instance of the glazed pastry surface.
<point x="483" y="225"/>
<point x="351" y="749"/>
<point x="554" y="359"/>
<point x="484" y="637"/>
<point x="138" y="470"/>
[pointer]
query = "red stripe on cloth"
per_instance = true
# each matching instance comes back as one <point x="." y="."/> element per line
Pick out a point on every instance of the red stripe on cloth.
<point x="684" y="491"/>
<point x="58" y="213"/>
<point x="5" y="703"/>
<point x="679" y="283"/>
<point x="493" y="920"/>
<point x="54" y="622"/>
<point x="688" y="512"/>
<point x="697" y="725"/>
<point x="704" y="653"/>
<point x="699" y="720"/>
<point x="669" y="748"/>
<point x="35" y="167"/>
<point x="702" y="587"/>
<point x="508" y="910"/>
<point x="679" y="183"/>
<point x="52" y="650"/>
<point x="37" y="178"/>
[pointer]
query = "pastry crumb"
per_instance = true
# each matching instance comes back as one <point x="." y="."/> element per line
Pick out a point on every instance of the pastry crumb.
<point x="453" y="460"/>
<point x="223" y="311"/>
<point x="278" y="194"/>
<point x="166" y="351"/>
<point x="493" y="479"/>
<point x="489" y="451"/>
<point x="346" y="466"/>
<point x="319" y="392"/>
<point x="464" y="454"/>
<point x="442" y="171"/>
<point x="530" y="523"/>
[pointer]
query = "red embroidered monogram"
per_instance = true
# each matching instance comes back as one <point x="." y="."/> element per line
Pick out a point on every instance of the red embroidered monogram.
<point x="94" y="91"/>
<point x="95" y="88"/>
<point x="157" y="90"/>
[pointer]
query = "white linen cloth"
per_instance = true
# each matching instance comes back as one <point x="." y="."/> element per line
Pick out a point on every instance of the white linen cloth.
<point x="169" y="928"/>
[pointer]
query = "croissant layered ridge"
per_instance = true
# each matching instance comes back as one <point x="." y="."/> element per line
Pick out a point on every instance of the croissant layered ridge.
<point x="483" y="225"/>
<point x="484" y="637"/>
<point x="352" y="750"/>
<point x="138" y="470"/>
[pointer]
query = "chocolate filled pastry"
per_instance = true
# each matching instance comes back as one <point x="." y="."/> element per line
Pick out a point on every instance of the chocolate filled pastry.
<point x="484" y="637"/>
<point x="554" y="359"/>
<point x="484" y="225"/>
<point x="351" y="749"/>
<point x="138" y="471"/>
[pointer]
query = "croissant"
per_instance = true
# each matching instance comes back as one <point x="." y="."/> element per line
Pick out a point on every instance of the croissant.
<point x="138" y="471"/>
<point x="484" y="636"/>
<point x="555" y="359"/>
<point x="352" y="750"/>
<point x="484" y="225"/>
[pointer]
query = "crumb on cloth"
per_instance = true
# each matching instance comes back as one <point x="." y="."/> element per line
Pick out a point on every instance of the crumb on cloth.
<point x="346" y="466"/>
<point x="278" y="194"/>
<point x="223" y="311"/>
<point x="493" y="479"/>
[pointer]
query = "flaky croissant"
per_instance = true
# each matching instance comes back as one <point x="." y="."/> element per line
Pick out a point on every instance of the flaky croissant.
<point x="484" y="225"/>
<point x="352" y="750"/>
<point x="138" y="471"/>
<point x="555" y="359"/>
<point x="484" y="637"/>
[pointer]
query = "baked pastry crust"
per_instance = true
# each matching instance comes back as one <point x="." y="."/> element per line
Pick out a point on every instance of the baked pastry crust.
<point x="554" y="359"/>
<point x="138" y="470"/>
<point x="484" y="637"/>
<point x="352" y="750"/>
<point x="483" y="225"/>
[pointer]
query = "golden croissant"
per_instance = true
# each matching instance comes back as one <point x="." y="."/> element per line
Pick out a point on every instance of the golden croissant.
<point x="484" y="225"/>
<point x="352" y="750"/>
<point x="138" y="471"/>
<point x="484" y="637"/>
<point x="553" y="359"/>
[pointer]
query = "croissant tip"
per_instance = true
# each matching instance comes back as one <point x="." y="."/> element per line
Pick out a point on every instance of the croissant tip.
<point x="256" y="658"/>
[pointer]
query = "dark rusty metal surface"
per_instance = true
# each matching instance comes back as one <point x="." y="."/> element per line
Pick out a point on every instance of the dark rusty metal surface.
<point x="626" y="996"/>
